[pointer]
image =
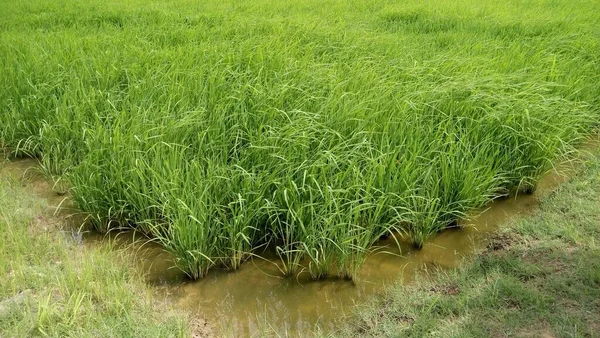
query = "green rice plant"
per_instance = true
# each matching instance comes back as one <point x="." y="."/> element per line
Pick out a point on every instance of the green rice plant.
<point x="219" y="129"/>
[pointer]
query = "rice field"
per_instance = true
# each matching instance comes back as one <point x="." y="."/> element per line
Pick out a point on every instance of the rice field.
<point x="309" y="128"/>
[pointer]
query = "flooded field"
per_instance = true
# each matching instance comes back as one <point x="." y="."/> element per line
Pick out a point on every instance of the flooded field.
<point x="256" y="298"/>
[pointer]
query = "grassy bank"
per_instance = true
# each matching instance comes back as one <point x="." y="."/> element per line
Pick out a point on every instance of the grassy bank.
<point x="50" y="285"/>
<point x="312" y="128"/>
<point x="539" y="277"/>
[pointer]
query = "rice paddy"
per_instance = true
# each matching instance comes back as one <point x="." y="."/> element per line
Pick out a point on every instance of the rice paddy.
<point x="310" y="128"/>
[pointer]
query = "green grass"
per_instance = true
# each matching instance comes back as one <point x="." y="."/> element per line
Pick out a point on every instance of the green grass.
<point x="52" y="286"/>
<point x="540" y="277"/>
<point x="308" y="127"/>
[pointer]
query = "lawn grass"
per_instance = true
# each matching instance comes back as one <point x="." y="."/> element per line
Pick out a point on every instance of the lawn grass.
<point x="539" y="277"/>
<point x="51" y="286"/>
<point x="311" y="127"/>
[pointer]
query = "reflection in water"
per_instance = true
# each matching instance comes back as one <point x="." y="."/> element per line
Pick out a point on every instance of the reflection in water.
<point x="256" y="297"/>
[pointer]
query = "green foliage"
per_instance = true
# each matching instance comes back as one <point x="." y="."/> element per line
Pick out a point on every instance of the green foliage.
<point x="219" y="128"/>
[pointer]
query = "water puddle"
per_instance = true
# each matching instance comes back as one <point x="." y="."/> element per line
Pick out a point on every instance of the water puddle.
<point x="256" y="298"/>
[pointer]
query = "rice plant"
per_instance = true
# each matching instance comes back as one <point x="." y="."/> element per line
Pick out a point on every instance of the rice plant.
<point x="308" y="129"/>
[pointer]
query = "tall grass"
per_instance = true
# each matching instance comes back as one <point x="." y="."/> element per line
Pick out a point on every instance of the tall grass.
<point x="311" y="128"/>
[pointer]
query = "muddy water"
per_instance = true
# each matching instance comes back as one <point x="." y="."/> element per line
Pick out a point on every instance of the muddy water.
<point x="256" y="298"/>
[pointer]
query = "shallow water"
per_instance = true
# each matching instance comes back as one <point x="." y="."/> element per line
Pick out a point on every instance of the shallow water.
<point x="256" y="298"/>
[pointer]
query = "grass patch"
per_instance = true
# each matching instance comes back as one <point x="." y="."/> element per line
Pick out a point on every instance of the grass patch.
<point x="221" y="128"/>
<point x="52" y="286"/>
<point x="540" y="276"/>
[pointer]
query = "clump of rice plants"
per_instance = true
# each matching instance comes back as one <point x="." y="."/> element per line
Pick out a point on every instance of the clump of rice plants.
<point x="310" y="132"/>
